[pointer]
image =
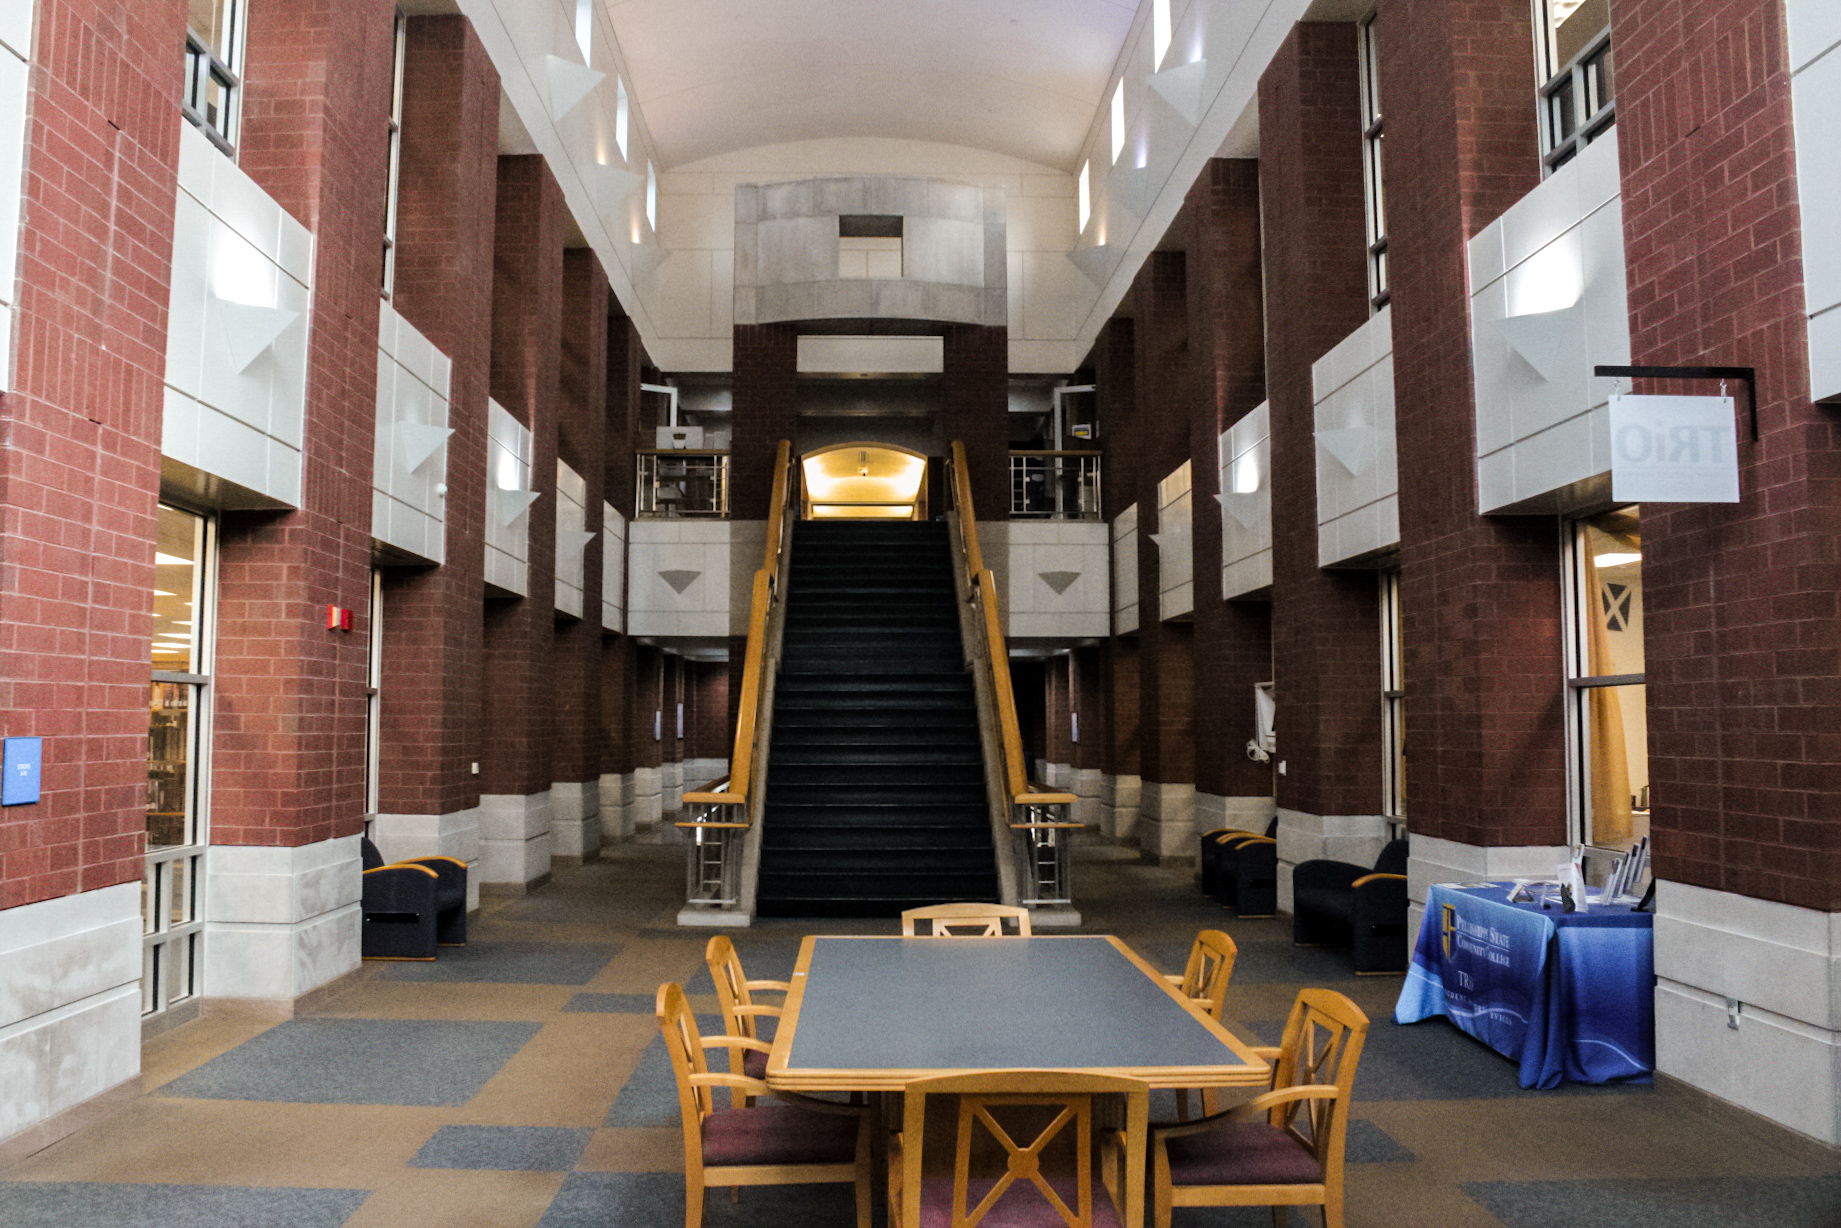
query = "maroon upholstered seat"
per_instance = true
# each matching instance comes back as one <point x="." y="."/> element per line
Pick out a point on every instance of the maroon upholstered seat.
<point x="754" y="1064"/>
<point x="777" y="1134"/>
<point x="1022" y="1205"/>
<point x="1242" y="1153"/>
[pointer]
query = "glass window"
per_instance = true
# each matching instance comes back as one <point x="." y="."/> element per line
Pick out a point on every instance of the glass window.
<point x="179" y="649"/>
<point x="1575" y="75"/>
<point x="396" y="158"/>
<point x="213" y="68"/>
<point x="1393" y="701"/>
<point x="1610" y="729"/>
<point x="373" y="700"/>
<point x="1371" y="164"/>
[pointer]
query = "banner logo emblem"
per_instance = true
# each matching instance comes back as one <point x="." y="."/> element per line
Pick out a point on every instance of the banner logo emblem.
<point x="1447" y="926"/>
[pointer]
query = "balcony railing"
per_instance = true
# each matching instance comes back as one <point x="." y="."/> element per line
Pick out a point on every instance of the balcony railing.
<point x="1054" y="486"/>
<point x="678" y="482"/>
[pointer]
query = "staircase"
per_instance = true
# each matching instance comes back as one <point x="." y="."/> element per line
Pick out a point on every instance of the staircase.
<point x="875" y="774"/>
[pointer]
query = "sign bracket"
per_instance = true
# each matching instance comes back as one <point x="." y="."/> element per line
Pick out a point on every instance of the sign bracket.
<point x="1744" y="375"/>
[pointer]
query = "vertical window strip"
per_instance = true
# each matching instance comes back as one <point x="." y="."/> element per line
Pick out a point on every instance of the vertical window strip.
<point x="1575" y="72"/>
<point x="213" y="74"/>
<point x="1373" y="183"/>
<point x="396" y="156"/>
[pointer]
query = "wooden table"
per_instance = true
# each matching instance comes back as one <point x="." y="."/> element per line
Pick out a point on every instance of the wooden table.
<point x="873" y="1014"/>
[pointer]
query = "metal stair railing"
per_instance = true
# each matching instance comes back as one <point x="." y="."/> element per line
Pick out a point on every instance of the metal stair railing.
<point x="724" y="850"/>
<point x="1038" y="822"/>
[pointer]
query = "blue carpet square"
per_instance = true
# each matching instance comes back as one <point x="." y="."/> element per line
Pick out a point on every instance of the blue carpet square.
<point x="531" y="1149"/>
<point x="87" y="1204"/>
<point x="614" y="1003"/>
<point x="656" y="1200"/>
<point x="1367" y="1143"/>
<point x="509" y="963"/>
<point x="649" y="1097"/>
<point x="1713" y="1202"/>
<point x="359" y="1061"/>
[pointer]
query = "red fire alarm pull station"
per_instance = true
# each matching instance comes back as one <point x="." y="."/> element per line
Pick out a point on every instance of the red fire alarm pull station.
<point x="338" y="619"/>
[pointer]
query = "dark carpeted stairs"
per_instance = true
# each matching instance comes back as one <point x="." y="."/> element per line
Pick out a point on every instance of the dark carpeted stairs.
<point x="875" y="775"/>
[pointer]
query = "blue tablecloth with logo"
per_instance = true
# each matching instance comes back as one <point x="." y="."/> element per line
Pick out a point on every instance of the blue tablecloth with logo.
<point x="1568" y="995"/>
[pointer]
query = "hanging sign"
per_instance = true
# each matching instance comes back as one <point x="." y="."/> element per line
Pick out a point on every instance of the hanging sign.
<point x="1673" y="450"/>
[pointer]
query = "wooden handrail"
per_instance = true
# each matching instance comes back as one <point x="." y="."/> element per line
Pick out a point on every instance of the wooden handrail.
<point x="1016" y="774"/>
<point x="748" y="712"/>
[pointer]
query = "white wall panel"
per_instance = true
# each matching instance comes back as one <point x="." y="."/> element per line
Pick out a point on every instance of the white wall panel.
<point x="613" y="569"/>
<point x="1246" y="505"/>
<point x="1125" y="571"/>
<point x="237" y="331"/>
<point x="409" y="466"/>
<point x="1548" y="303"/>
<point x="1358" y="480"/>
<point x="678" y="577"/>
<point x="1175" y="539"/>
<point x="1815" y="88"/>
<point x="1057" y="585"/>
<point x="572" y="538"/>
<point x="508" y="502"/>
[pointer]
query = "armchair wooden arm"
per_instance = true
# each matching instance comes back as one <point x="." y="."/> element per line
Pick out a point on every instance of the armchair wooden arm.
<point x="1378" y="878"/>
<point x="1258" y="1106"/>
<point x="775" y="986"/>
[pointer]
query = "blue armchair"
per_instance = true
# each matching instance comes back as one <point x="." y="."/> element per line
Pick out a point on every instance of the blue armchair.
<point x="1336" y="903"/>
<point x="411" y="907"/>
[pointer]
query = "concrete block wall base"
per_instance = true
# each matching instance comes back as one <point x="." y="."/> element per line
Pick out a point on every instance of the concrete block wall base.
<point x="1119" y="805"/>
<point x="399" y="837"/>
<point x="1166" y="823"/>
<point x="516" y="839"/>
<point x="281" y="922"/>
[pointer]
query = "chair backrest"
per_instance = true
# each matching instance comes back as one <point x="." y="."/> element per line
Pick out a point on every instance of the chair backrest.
<point x="966" y="920"/>
<point x="685" y="1043"/>
<point x="1068" y="1099"/>
<point x="731" y="986"/>
<point x="1392" y="859"/>
<point x="1322" y="1044"/>
<point x="1211" y="963"/>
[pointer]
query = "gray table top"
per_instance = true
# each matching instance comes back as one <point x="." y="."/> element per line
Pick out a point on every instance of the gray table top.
<point x="875" y="1013"/>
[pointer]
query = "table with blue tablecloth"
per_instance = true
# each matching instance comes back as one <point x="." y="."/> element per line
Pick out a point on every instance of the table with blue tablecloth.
<point x="1568" y="995"/>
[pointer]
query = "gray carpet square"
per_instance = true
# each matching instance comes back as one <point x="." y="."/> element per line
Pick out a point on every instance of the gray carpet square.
<point x="509" y="963"/>
<point x="1367" y="1143"/>
<point x="1723" y="1202"/>
<point x="359" y="1061"/>
<point x="89" y="1204"/>
<point x="656" y="1200"/>
<point x="1432" y="1060"/>
<point x="540" y="1149"/>
<point x="614" y="1003"/>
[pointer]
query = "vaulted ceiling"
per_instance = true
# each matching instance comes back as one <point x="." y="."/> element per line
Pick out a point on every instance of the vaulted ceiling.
<point x="1017" y="77"/>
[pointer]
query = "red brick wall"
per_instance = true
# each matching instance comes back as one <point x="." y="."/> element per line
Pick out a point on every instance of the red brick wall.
<point x="433" y="622"/>
<point x="672" y="750"/>
<point x="766" y="392"/>
<point x="1325" y="624"/>
<point x="1058" y="745"/>
<point x="582" y="442"/>
<point x="975" y="407"/>
<point x="1233" y="640"/>
<point x="1741" y="619"/>
<point x="1166" y="679"/>
<point x="81" y="426"/>
<point x="625" y="357"/>
<point x="1087" y="699"/>
<point x="1116" y="410"/>
<point x="1122" y="745"/>
<point x="710" y="733"/>
<point x="647" y="698"/>
<point x="526" y="368"/>
<point x="619" y="664"/>
<point x="1480" y="597"/>
<point x="290" y="705"/>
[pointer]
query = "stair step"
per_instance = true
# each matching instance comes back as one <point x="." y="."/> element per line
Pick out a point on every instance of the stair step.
<point x="896" y="758"/>
<point x="858" y="737"/>
<point x="880" y="841"/>
<point x="911" y="779"/>
<point x="858" y="815"/>
<point x="856" y="794"/>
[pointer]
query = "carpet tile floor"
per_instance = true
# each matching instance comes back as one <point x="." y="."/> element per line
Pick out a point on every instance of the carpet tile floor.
<point x="520" y="1082"/>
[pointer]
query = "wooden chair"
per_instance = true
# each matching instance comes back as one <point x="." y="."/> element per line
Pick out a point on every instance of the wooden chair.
<point x="1284" y="1147"/>
<point x="947" y="919"/>
<point x="1059" y="1107"/>
<point x="740" y="1012"/>
<point x="792" y="1142"/>
<point x="1204" y="980"/>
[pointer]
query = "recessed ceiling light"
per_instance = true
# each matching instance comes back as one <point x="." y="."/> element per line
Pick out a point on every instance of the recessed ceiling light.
<point x="1616" y="558"/>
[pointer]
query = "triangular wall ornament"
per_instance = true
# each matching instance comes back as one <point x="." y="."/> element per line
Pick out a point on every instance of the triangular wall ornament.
<point x="1095" y="261"/>
<point x="1060" y="581"/>
<point x="1131" y="186"/>
<point x="1157" y="539"/>
<point x="417" y="441"/>
<point x="249" y="330"/>
<point x="511" y="504"/>
<point x="1351" y="446"/>
<point x="615" y="184"/>
<point x="1243" y="505"/>
<point x="571" y="542"/>
<point x="679" y="580"/>
<point x="1182" y="89"/>
<point x="1542" y="339"/>
<point x="569" y="83"/>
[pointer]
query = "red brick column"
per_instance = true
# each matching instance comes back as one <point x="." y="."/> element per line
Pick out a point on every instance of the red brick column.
<point x="447" y="185"/>
<point x="289" y="752"/>
<point x="766" y="391"/>
<point x="1480" y="597"/>
<point x="1741" y="624"/>
<point x="1325" y="623"/>
<point x="1166" y="670"/>
<point x="1058" y="746"/>
<point x="975" y="407"/>
<point x="647" y="697"/>
<point x="619" y="661"/>
<point x="1233" y="640"/>
<point x="81" y="422"/>
<point x="576" y="648"/>
<point x="1121" y="445"/>
<point x="526" y="360"/>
